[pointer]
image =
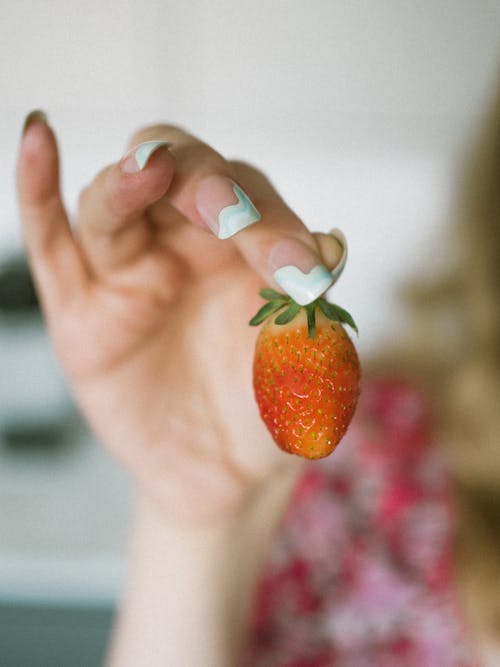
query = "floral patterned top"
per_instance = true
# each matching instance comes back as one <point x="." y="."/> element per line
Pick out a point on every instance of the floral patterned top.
<point x="360" y="573"/>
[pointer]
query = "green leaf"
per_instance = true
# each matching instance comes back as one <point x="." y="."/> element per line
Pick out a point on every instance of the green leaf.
<point x="311" y="320"/>
<point x="288" y="314"/>
<point x="346" y="318"/>
<point x="329" y="310"/>
<point x="266" y="310"/>
<point x="271" y="295"/>
<point x="337" y="314"/>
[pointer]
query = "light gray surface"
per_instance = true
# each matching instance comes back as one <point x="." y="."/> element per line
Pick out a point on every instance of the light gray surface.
<point x="64" y="504"/>
<point x="63" y="524"/>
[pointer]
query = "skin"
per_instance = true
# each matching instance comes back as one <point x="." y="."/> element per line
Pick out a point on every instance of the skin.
<point x="148" y="313"/>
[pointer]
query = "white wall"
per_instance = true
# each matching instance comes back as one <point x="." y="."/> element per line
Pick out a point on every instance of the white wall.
<point x="355" y="108"/>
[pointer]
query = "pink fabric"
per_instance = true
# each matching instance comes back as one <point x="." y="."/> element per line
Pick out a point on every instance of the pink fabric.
<point x="360" y="574"/>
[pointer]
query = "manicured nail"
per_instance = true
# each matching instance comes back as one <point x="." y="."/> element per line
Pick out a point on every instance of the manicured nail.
<point x="138" y="157"/>
<point x="224" y="206"/>
<point x="339" y="236"/>
<point x="298" y="271"/>
<point x="35" y="116"/>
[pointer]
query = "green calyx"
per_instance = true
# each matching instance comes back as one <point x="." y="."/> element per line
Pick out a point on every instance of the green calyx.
<point x="289" y="309"/>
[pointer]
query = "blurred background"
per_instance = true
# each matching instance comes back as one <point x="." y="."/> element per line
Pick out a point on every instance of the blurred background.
<point x="359" y="112"/>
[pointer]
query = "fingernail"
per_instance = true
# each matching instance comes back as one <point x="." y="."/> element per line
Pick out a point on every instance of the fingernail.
<point x="138" y="157"/>
<point x="35" y="116"/>
<point x="298" y="271"/>
<point x="224" y="206"/>
<point x="339" y="236"/>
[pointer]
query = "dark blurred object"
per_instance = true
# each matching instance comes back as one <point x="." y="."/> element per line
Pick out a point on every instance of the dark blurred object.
<point x="34" y="403"/>
<point x="30" y="437"/>
<point x="47" y="635"/>
<point x="17" y="291"/>
<point x="27" y="435"/>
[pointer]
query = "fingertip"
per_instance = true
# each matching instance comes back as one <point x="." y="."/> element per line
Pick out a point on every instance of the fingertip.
<point x="38" y="162"/>
<point x="142" y="177"/>
<point x="139" y="157"/>
<point x="332" y="248"/>
<point x="37" y="115"/>
<point x="118" y="195"/>
<point x="298" y="270"/>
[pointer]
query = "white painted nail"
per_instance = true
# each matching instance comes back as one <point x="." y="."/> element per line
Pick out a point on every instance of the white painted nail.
<point x="224" y="207"/>
<point x="138" y="157"/>
<point x="298" y="271"/>
<point x="304" y="288"/>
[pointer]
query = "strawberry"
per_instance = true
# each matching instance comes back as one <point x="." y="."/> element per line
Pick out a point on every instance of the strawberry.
<point x="306" y="374"/>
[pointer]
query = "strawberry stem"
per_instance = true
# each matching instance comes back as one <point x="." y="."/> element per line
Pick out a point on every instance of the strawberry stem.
<point x="277" y="301"/>
<point x="311" y="320"/>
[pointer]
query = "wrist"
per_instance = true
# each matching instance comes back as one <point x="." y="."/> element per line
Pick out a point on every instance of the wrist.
<point x="190" y="586"/>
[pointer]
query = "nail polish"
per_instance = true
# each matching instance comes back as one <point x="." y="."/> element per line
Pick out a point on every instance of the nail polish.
<point x="298" y="271"/>
<point x="138" y="157"/>
<point x="35" y="116"/>
<point x="224" y="206"/>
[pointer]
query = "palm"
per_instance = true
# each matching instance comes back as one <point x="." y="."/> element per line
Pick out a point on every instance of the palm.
<point x="167" y="348"/>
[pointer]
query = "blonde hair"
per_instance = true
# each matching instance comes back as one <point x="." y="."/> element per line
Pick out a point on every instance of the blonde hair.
<point x="454" y="349"/>
<point x="470" y="400"/>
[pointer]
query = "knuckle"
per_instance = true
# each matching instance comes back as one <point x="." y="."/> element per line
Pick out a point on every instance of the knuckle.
<point x="194" y="154"/>
<point x="161" y="131"/>
<point x="244" y="169"/>
<point x="244" y="166"/>
<point x="202" y="158"/>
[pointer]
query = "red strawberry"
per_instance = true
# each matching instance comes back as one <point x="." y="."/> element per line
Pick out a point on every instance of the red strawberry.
<point x="306" y="374"/>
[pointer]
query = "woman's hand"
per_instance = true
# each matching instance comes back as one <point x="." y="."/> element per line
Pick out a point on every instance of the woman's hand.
<point x="148" y="309"/>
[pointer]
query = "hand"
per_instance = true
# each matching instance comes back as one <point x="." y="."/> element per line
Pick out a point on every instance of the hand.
<point x="148" y="311"/>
